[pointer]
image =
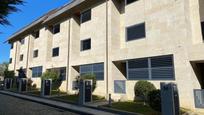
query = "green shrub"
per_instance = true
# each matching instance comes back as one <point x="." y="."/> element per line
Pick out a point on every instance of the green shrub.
<point x="88" y="76"/>
<point x="142" y="88"/>
<point x="154" y="100"/>
<point x="54" y="76"/>
<point x="9" y="74"/>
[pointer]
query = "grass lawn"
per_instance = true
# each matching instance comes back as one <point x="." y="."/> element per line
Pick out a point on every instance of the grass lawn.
<point x="136" y="107"/>
<point x="74" y="98"/>
<point x="54" y="92"/>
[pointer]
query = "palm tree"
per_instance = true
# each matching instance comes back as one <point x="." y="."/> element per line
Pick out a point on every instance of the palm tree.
<point x="7" y="7"/>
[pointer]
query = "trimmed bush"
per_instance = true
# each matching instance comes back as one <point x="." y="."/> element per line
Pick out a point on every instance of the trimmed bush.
<point x="154" y="100"/>
<point x="9" y="74"/>
<point x="142" y="88"/>
<point x="54" y="76"/>
<point x="88" y="76"/>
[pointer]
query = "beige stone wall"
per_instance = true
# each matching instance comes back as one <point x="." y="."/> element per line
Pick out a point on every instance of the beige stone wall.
<point x="172" y="27"/>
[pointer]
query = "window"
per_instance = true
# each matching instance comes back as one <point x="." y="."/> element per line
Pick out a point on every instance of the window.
<point x="202" y="28"/>
<point x="36" y="34"/>
<point x="135" y="32"/>
<point x="56" y="29"/>
<point x="61" y="71"/>
<point x="55" y="52"/>
<point x="22" y="41"/>
<point x="153" y="68"/>
<point x="130" y="1"/>
<point x="36" y="71"/>
<point x="10" y="60"/>
<point x="120" y="86"/>
<point x="11" y="45"/>
<point x="97" y="69"/>
<point x="86" y="16"/>
<point x="21" y="57"/>
<point x="35" y="53"/>
<point x="85" y="44"/>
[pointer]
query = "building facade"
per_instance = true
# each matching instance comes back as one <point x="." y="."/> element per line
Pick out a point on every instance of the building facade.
<point x="120" y="41"/>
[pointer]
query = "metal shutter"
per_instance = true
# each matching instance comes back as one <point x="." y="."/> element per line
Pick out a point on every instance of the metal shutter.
<point x="120" y="86"/>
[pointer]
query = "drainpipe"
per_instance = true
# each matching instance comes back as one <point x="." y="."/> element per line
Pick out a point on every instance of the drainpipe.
<point x="107" y="86"/>
<point x="15" y="57"/>
<point x="68" y="56"/>
<point x="28" y="56"/>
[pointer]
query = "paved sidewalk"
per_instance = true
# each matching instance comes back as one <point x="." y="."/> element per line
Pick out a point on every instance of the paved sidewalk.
<point x="82" y="109"/>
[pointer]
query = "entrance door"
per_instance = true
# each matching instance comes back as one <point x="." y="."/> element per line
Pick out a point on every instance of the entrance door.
<point x="88" y="91"/>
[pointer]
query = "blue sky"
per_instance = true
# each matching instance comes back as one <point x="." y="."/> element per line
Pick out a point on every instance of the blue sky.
<point x="30" y="11"/>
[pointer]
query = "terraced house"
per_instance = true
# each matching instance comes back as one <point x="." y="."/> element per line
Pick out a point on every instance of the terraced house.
<point x="121" y="42"/>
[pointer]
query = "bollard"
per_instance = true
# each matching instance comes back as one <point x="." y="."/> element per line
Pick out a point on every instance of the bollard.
<point x="109" y="101"/>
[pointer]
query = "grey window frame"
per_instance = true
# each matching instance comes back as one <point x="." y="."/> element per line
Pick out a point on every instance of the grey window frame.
<point x="35" y="53"/>
<point x="21" y="57"/>
<point x="126" y="31"/>
<point x="150" y="70"/>
<point x="36" y="34"/>
<point x="22" y="41"/>
<point x="54" y="27"/>
<point x="57" y="53"/>
<point x="38" y="73"/>
<point x="85" y="12"/>
<point x="92" y="70"/>
<point x="82" y="44"/>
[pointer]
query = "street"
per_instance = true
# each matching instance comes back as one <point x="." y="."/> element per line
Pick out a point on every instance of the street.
<point x="15" y="106"/>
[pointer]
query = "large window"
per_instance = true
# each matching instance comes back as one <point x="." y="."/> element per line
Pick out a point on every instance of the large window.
<point x="11" y="45"/>
<point x="86" y="16"/>
<point x="153" y="68"/>
<point x="85" y="44"/>
<point x="130" y="1"/>
<point x="97" y="69"/>
<point x="135" y="32"/>
<point x="61" y="71"/>
<point x="56" y="29"/>
<point x="36" y="71"/>
<point x="55" y="52"/>
<point x="35" y="53"/>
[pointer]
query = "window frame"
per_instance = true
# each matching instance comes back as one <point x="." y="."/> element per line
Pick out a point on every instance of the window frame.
<point x="35" y="53"/>
<point x="22" y="41"/>
<point x="39" y="72"/>
<point x="12" y="44"/>
<point x="54" y="28"/>
<point x="10" y="60"/>
<point x="126" y="32"/>
<point x="82" y="44"/>
<point x="150" y="69"/>
<point x="90" y="9"/>
<point x="58" y="51"/>
<point x="92" y="71"/>
<point x="21" y="57"/>
<point x="36" y="34"/>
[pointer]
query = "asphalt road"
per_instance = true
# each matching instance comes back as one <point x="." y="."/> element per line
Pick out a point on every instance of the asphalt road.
<point x="15" y="106"/>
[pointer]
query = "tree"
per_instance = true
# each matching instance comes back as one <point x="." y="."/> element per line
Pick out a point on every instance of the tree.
<point x="3" y="67"/>
<point x="7" y="7"/>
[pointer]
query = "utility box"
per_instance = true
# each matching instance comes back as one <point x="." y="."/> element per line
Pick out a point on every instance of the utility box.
<point x="169" y="99"/>
<point x="85" y="91"/>
<point x="46" y="87"/>
<point x="22" y="82"/>
<point x="8" y="83"/>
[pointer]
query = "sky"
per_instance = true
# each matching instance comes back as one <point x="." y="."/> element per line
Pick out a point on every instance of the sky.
<point x="30" y="11"/>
